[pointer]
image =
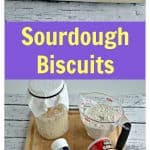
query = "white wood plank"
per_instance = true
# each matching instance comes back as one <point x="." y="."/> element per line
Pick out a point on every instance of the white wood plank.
<point x="126" y="100"/>
<point x="17" y="144"/>
<point x="136" y="139"/>
<point x="113" y="87"/>
<point x="101" y="1"/>
<point x="16" y="128"/>
<point x="16" y="99"/>
<point x="135" y="114"/>
<point x="14" y="143"/>
<point x="19" y="129"/>
<point x="137" y="132"/>
<point x="129" y="100"/>
<point x="22" y="113"/>
<point x="107" y="1"/>
<point x="46" y="11"/>
<point x="136" y="145"/>
<point x="17" y="112"/>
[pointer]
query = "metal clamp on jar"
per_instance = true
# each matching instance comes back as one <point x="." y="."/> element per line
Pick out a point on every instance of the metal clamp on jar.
<point x="49" y="102"/>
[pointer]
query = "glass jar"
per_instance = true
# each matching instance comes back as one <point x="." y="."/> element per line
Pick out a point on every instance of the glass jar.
<point x="49" y="102"/>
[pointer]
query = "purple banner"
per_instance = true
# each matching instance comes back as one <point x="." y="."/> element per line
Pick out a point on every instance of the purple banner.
<point x="75" y="50"/>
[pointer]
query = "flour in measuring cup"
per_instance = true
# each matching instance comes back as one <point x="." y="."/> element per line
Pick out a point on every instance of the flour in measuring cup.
<point x="101" y="113"/>
<point x="99" y="120"/>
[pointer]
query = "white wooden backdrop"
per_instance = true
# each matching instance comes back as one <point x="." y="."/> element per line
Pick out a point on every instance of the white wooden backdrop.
<point x="72" y="11"/>
<point x="131" y="95"/>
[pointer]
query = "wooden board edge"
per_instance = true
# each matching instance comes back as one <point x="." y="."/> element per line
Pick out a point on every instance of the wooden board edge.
<point x="28" y="135"/>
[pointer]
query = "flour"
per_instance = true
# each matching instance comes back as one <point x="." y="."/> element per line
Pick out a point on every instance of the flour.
<point x="99" y="120"/>
<point x="101" y="113"/>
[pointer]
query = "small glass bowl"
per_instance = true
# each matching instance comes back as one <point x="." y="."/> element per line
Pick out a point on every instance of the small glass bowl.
<point x="100" y="114"/>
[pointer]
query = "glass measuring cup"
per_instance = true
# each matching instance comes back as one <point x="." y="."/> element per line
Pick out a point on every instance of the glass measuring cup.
<point x="100" y="114"/>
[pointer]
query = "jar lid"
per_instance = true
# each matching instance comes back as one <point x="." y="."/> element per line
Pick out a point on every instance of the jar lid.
<point x="45" y="88"/>
<point x="59" y="144"/>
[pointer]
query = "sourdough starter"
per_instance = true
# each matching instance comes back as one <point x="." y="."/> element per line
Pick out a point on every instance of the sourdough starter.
<point x="53" y="123"/>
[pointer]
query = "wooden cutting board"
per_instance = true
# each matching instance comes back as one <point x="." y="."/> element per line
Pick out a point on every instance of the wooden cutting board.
<point x="76" y="135"/>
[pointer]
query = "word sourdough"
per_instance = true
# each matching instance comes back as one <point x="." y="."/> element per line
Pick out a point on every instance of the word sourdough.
<point x="109" y="39"/>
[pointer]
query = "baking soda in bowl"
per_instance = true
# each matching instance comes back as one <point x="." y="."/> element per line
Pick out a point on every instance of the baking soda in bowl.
<point x="99" y="120"/>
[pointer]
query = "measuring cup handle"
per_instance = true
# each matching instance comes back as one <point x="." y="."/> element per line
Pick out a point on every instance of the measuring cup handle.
<point x="126" y="127"/>
<point x="123" y="136"/>
<point x="123" y="120"/>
